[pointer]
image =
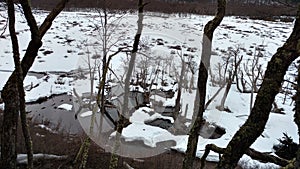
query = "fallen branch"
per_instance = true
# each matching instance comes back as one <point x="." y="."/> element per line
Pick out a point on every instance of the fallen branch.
<point x="126" y="165"/>
<point x="214" y="96"/>
<point x="266" y="157"/>
<point x="22" y="158"/>
<point x="256" y="155"/>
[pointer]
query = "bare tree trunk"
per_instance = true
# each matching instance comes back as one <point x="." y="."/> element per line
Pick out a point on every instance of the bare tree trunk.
<point x="179" y="91"/>
<point x="124" y="112"/>
<point x="9" y="125"/>
<point x="84" y="148"/>
<point x="104" y="60"/>
<point x="191" y="86"/>
<point x="221" y="107"/>
<point x="270" y="87"/>
<point x="236" y="69"/>
<point x="19" y="75"/>
<point x="229" y="83"/>
<point x="214" y="96"/>
<point x="10" y="90"/>
<point x="201" y="85"/>
<point x="297" y="117"/>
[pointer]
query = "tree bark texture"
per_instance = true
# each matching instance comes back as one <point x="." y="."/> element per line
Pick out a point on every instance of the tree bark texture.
<point x="255" y="124"/>
<point x="10" y="93"/>
<point x="297" y="117"/>
<point x="201" y="85"/>
<point x="21" y="92"/>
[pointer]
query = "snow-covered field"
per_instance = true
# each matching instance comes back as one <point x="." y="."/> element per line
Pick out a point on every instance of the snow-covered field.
<point x="73" y="38"/>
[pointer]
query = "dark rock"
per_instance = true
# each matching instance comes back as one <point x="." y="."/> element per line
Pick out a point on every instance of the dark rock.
<point x="160" y="122"/>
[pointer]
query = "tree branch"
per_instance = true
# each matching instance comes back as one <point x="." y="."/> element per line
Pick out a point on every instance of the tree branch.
<point x="30" y="19"/>
<point x="53" y="14"/>
<point x="270" y="87"/>
<point x="256" y="155"/>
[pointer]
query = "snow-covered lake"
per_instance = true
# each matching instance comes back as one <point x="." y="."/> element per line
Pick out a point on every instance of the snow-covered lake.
<point x="73" y="38"/>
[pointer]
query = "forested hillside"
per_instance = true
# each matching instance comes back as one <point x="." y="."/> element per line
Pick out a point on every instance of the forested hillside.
<point x="260" y="8"/>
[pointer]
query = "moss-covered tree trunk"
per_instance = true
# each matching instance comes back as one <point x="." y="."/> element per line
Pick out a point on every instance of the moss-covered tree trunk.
<point x="201" y="85"/>
<point x="10" y="93"/>
<point x="255" y="124"/>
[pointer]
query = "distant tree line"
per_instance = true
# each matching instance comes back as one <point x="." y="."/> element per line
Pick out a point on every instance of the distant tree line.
<point x="203" y="7"/>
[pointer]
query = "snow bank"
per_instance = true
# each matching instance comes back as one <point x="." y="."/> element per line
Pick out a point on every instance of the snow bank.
<point x="65" y="106"/>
